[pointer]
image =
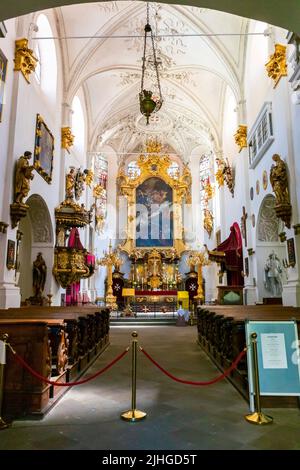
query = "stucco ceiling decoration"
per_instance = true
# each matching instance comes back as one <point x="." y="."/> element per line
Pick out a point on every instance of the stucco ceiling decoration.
<point x="195" y="71"/>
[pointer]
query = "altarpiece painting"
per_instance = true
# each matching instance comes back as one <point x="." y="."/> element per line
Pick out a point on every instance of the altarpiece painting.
<point x="154" y="214"/>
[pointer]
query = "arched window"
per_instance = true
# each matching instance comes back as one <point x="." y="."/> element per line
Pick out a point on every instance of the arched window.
<point x="78" y="125"/>
<point x="46" y="72"/>
<point x="206" y="176"/>
<point x="133" y="170"/>
<point x="37" y="71"/>
<point x="173" y="170"/>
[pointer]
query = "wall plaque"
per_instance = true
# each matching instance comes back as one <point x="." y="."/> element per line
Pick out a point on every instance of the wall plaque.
<point x="291" y="252"/>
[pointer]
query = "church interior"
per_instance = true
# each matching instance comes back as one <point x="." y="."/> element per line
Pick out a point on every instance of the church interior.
<point x="149" y="181"/>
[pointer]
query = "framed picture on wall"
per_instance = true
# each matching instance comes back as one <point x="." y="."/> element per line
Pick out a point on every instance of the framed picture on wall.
<point x="3" y="69"/>
<point x="291" y="252"/>
<point x="43" y="149"/>
<point x="10" y="258"/>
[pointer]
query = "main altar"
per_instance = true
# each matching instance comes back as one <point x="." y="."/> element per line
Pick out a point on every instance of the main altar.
<point x="154" y="241"/>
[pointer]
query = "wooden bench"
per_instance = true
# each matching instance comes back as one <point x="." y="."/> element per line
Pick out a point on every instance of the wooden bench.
<point x="221" y="332"/>
<point x="72" y="339"/>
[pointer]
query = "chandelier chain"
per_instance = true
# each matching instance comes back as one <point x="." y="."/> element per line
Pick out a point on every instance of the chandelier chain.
<point x="144" y="61"/>
<point x="149" y="103"/>
<point x="156" y="67"/>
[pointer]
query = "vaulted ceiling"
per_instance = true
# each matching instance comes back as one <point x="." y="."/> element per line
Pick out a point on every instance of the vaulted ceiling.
<point x="277" y="12"/>
<point x="195" y="71"/>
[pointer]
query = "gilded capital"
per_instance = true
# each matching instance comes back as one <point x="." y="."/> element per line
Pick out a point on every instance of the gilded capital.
<point x="277" y="66"/>
<point x="240" y="137"/>
<point x="25" y="61"/>
<point x="67" y="138"/>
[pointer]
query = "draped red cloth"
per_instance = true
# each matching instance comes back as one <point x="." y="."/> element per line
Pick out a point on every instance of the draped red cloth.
<point x="232" y="247"/>
<point x="74" y="239"/>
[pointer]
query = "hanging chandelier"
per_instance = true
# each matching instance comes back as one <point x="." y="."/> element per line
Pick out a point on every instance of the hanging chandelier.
<point x="149" y="102"/>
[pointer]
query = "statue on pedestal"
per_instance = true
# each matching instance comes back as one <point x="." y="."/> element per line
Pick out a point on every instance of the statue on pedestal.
<point x="279" y="182"/>
<point x="23" y="176"/>
<point x="70" y="184"/>
<point x="273" y="275"/>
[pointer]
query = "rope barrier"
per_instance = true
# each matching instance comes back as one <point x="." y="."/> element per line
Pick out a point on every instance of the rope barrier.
<point x="26" y="366"/>
<point x="190" y="382"/>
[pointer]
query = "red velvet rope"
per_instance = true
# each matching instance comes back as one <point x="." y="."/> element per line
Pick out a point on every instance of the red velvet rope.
<point x="190" y="382"/>
<point x="24" y="364"/>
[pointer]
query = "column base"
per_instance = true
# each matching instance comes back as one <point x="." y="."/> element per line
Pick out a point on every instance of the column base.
<point x="250" y="295"/>
<point x="291" y="294"/>
<point x="9" y="296"/>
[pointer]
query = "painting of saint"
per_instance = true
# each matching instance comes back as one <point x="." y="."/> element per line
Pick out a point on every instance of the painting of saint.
<point x="44" y="148"/>
<point x="154" y="214"/>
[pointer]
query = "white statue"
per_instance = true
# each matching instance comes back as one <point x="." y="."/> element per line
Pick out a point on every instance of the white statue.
<point x="273" y="275"/>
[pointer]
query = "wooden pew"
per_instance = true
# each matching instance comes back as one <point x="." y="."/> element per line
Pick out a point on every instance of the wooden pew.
<point x="221" y="332"/>
<point x="23" y="393"/>
<point x="75" y="336"/>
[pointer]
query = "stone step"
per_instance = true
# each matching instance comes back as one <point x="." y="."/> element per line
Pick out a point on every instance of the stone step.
<point x="142" y="321"/>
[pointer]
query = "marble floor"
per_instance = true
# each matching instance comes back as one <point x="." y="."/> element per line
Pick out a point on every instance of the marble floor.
<point x="179" y="416"/>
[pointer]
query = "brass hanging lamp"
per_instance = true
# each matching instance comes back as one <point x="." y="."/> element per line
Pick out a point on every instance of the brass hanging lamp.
<point x="149" y="103"/>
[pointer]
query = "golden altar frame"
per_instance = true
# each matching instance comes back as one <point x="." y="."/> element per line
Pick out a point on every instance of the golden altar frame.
<point x="155" y="164"/>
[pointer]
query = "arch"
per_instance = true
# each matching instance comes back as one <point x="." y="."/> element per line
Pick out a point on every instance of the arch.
<point x="268" y="225"/>
<point x="286" y="14"/>
<point x="40" y="219"/>
<point x="37" y="237"/>
<point x="267" y="244"/>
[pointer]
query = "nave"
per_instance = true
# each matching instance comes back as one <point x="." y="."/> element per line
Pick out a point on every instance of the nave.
<point x="179" y="416"/>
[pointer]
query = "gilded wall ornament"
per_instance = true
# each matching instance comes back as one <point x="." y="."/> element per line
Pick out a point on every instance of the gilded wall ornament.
<point x="240" y="137"/>
<point x="257" y="186"/>
<point x="25" y="61"/>
<point x="67" y="138"/>
<point x="225" y="174"/>
<point x="276" y="66"/>
<point x="265" y="179"/>
<point x="208" y="221"/>
<point x="208" y="189"/>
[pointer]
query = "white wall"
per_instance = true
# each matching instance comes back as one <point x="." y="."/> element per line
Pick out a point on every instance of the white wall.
<point x="25" y="101"/>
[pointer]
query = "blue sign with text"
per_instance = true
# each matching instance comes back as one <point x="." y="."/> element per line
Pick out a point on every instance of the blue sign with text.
<point x="278" y="357"/>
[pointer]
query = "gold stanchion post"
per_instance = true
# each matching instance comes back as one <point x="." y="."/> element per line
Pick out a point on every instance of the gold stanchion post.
<point x="133" y="414"/>
<point x="3" y="424"/>
<point x="257" y="417"/>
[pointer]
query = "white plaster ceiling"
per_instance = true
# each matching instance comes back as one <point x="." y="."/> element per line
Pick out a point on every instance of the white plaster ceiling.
<point x="194" y="75"/>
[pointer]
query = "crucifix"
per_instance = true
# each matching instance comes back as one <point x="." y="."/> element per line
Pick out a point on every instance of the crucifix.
<point x="244" y="225"/>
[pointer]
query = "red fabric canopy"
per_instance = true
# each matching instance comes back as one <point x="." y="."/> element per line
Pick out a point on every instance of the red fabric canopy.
<point x="233" y="249"/>
<point x="234" y="241"/>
